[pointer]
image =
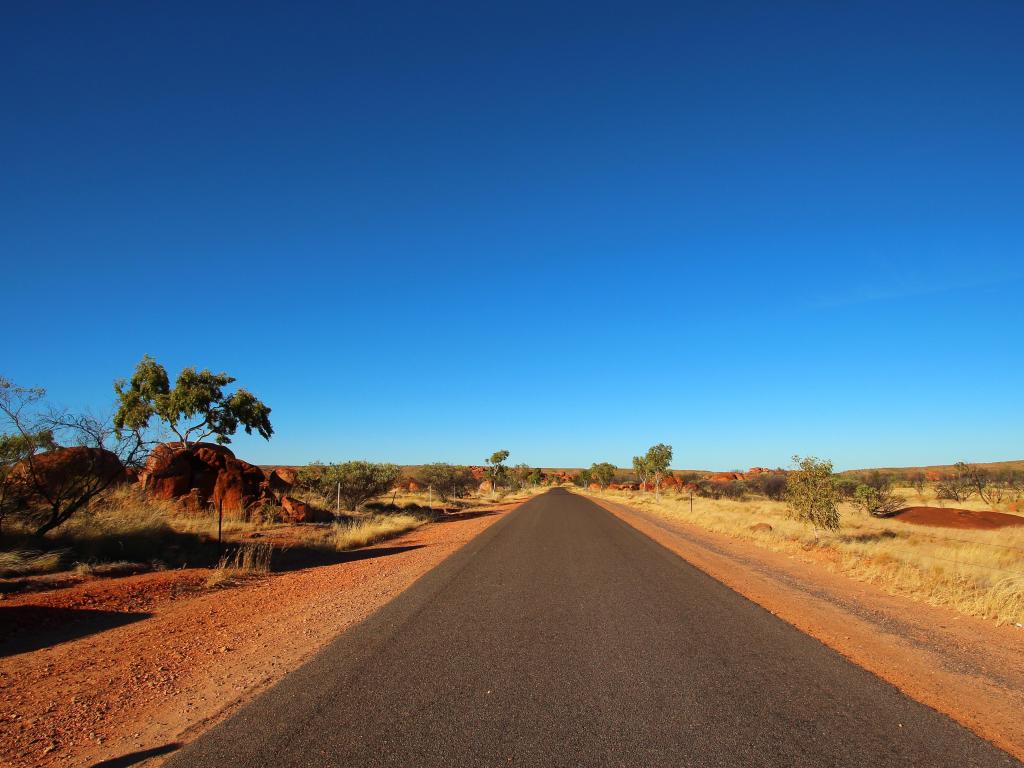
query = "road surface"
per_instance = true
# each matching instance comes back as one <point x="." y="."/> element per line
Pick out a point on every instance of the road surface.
<point x="563" y="637"/>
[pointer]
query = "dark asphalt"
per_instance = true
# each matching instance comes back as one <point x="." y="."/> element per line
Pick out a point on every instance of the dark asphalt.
<point x="563" y="637"/>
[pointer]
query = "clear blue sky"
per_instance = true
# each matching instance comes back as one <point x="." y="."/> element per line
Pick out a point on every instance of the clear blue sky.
<point x="419" y="233"/>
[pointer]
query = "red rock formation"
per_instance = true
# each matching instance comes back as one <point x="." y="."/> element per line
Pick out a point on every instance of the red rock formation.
<point x="206" y="473"/>
<point x="66" y="471"/>
<point x="281" y="479"/>
<point x="295" y="511"/>
<point x="486" y="486"/>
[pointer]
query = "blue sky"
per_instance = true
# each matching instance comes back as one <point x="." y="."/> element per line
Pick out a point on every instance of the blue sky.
<point x="419" y="233"/>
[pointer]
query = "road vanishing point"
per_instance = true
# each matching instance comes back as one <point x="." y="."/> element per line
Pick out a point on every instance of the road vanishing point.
<point x="561" y="636"/>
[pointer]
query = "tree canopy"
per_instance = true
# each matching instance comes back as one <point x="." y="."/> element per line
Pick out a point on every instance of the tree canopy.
<point x="195" y="408"/>
<point x="603" y="473"/>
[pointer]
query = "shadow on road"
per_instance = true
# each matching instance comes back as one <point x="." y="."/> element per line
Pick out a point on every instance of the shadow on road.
<point x="134" y="758"/>
<point x="456" y="516"/>
<point x="297" y="558"/>
<point x="29" y="627"/>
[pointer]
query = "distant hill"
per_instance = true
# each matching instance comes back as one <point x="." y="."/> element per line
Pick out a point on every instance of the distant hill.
<point x="1017" y="465"/>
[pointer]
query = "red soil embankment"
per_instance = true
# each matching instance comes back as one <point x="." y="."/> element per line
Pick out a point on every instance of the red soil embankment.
<point x="965" y="519"/>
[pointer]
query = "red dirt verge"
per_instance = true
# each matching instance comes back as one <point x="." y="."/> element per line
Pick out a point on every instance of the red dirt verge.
<point x="129" y="669"/>
<point x="964" y="519"/>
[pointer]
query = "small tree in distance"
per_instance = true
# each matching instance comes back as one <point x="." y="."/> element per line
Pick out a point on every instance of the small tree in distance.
<point x="197" y="407"/>
<point x="812" y="494"/>
<point x="658" y="459"/>
<point x="496" y="468"/>
<point x="641" y="470"/>
<point x="603" y="473"/>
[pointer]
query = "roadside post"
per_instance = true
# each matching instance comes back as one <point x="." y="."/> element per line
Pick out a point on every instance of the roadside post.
<point x="220" y="528"/>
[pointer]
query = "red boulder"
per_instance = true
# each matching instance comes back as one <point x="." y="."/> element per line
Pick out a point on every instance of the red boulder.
<point x="205" y="473"/>
<point x="65" y="472"/>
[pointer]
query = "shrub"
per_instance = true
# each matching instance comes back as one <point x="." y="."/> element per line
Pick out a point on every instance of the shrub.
<point x="770" y="486"/>
<point x="959" y="486"/>
<point x="734" y="489"/>
<point x="847" y="487"/>
<point x="812" y="494"/>
<point x="878" y="502"/>
<point x="356" y="482"/>
<point x="447" y="480"/>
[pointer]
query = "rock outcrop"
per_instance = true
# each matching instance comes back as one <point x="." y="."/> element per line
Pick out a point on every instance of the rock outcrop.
<point x="66" y="471"/>
<point x="281" y="479"/>
<point x="295" y="511"/>
<point x="206" y="474"/>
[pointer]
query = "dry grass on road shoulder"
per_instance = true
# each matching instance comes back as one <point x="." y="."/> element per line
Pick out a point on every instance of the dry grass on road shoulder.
<point x="978" y="573"/>
<point x="372" y="530"/>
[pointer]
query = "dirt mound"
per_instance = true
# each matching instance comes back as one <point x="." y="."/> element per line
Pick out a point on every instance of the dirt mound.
<point x="968" y="519"/>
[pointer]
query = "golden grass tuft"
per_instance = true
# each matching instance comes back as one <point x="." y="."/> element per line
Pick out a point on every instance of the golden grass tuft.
<point x="372" y="529"/>
<point x="249" y="558"/>
<point x="24" y="562"/>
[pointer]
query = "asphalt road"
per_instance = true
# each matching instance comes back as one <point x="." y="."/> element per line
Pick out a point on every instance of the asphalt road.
<point x="563" y="637"/>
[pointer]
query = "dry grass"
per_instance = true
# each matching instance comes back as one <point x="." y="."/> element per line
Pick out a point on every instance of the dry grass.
<point x="372" y="529"/>
<point x="247" y="559"/>
<point x="979" y="573"/>
<point x="25" y="562"/>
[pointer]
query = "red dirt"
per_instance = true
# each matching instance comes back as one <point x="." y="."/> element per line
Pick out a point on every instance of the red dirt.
<point x="174" y="657"/>
<point x="965" y="519"/>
